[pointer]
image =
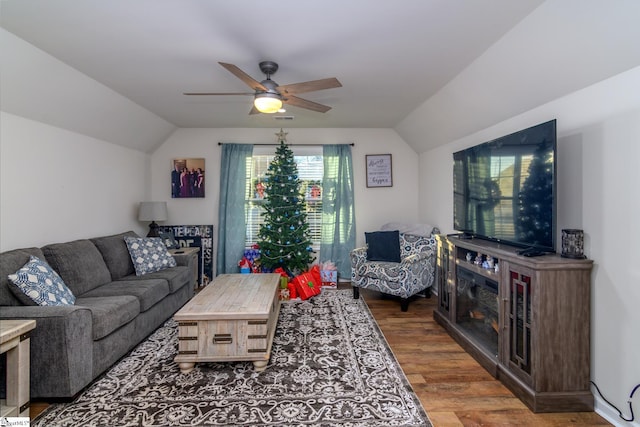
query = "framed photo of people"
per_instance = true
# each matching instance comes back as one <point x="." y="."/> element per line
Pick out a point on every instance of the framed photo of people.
<point x="187" y="178"/>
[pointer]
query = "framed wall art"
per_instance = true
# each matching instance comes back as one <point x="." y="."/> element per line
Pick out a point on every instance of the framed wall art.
<point x="198" y="236"/>
<point x="379" y="170"/>
<point x="187" y="178"/>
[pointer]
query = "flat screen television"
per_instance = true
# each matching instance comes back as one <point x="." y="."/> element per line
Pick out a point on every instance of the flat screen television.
<point x="505" y="190"/>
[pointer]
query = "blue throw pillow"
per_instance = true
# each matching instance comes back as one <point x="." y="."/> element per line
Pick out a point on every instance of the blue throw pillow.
<point x="383" y="246"/>
<point x="149" y="254"/>
<point x="37" y="280"/>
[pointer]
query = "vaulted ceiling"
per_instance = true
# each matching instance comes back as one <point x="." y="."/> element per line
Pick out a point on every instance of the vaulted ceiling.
<point x="431" y="69"/>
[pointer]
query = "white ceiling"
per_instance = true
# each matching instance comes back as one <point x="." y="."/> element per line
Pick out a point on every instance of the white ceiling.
<point x="390" y="56"/>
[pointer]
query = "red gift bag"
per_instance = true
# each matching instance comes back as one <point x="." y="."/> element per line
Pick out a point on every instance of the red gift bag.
<point x="307" y="289"/>
<point x="308" y="283"/>
<point x="315" y="272"/>
<point x="293" y="293"/>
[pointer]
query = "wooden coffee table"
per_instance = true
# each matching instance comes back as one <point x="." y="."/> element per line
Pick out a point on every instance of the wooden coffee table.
<point x="14" y="341"/>
<point x="232" y="319"/>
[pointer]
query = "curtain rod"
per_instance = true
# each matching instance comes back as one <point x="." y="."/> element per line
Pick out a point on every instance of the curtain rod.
<point x="300" y="145"/>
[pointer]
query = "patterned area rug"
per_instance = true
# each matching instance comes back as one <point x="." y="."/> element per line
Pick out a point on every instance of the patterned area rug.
<point x="330" y="366"/>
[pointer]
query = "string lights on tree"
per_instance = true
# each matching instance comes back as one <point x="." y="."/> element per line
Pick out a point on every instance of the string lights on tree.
<point x="284" y="237"/>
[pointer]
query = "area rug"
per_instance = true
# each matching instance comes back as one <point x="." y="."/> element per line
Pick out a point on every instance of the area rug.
<point x="330" y="366"/>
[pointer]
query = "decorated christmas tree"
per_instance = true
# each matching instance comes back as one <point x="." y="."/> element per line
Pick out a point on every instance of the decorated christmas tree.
<point x="284" y="236"/>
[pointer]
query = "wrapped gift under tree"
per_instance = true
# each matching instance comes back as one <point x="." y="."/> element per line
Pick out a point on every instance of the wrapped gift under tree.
<point x="328" y="274"/>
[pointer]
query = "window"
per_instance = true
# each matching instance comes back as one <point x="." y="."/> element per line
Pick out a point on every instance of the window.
<point x="310" y="171"/>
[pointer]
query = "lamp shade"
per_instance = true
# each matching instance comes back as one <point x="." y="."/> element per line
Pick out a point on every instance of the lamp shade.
<point x="153" y="211"/>
<point x="267" y="103"/>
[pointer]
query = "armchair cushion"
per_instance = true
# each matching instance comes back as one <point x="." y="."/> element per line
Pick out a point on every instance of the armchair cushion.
<point x="383" y="246"/>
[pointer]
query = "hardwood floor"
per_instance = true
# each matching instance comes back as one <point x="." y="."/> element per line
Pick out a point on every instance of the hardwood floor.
<point x="453" y="388"/>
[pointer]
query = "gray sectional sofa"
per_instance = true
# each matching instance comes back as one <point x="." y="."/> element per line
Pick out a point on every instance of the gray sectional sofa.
<point x="113" y="312"/>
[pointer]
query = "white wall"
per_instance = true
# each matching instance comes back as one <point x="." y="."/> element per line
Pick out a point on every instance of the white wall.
<point x="374" y="206"/>
<point x="560" y="47"/>
<point x="43" y="88"/>
<point x="56" y="185"/>
<point x="598" y="176"/>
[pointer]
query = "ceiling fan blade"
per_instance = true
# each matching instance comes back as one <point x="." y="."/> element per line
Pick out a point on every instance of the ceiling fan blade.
<point x="309" y="86"/>
<point x="246" y="78"/>
<point x="219" y="93"/>
<point x="305" y="103"/>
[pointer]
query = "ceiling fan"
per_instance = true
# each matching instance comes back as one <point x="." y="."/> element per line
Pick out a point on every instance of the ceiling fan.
<point x="269" y="96"/>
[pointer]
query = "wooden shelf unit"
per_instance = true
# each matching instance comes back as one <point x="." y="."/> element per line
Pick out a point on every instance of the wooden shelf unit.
<point x="542" y="329"/>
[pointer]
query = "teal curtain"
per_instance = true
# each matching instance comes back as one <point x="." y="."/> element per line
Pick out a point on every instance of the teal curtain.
<point x="231" y="218"/>
<point x="338" y="209"/>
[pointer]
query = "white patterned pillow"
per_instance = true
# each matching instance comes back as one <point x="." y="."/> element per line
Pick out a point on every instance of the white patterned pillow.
<point x="149" y="254"/>
<point x="37" y="280"/>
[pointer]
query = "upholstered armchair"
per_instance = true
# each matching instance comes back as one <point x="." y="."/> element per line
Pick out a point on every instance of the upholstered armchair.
<point x="395" y="263"/>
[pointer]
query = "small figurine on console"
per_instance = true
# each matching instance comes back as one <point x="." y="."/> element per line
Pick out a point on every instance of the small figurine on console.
<point x="478" y="259"/>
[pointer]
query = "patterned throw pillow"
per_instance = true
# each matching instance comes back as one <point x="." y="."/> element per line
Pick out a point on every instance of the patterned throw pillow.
<point x="42" y="284"/>
<point x="149" y="254"/>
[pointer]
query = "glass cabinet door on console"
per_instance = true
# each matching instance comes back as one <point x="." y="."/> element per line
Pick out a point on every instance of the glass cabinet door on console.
<point x="518" y="298"/>
<point x="444" y="277"/>
<point x="477" y="310"/>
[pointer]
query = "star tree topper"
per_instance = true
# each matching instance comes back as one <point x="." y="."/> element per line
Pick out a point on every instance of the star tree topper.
<point x="282" y="135"/>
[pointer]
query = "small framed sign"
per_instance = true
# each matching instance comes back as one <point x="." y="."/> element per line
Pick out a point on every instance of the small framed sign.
<point x="379" y="170"/>
<point x="169" y="240"/>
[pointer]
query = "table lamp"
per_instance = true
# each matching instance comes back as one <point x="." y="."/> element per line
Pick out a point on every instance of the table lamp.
<point x="153" y="211"/>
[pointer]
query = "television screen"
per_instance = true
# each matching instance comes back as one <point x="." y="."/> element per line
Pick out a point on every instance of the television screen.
<point x="505" y="189"/>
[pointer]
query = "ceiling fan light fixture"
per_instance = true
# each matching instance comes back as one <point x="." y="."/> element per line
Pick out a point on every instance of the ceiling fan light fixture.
<point x="267" y="103"/>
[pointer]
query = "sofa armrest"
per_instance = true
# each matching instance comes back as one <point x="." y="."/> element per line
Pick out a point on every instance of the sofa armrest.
<point x="61" y="348"/>
<point x="183" y="259"/>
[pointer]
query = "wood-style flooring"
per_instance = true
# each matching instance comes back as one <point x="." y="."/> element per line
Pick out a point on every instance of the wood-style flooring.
<point x="453" y="388"/>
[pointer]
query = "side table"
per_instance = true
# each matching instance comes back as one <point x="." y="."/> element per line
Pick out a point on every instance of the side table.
<point x="193" y="253"/>
<point x="14" y="340"/>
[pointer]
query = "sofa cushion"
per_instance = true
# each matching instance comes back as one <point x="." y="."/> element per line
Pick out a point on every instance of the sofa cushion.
<point x="10" y="262"/>
<point x="37" y="280"/>
<point x="149" y="254"/>
<point x="148" y="291"/>
<point x="115" y="253"/>
<point x="79" y="263"/>
<point x="383" y="246"/>
<point x="110" y="313"/>
<point x="177" y="277"/>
